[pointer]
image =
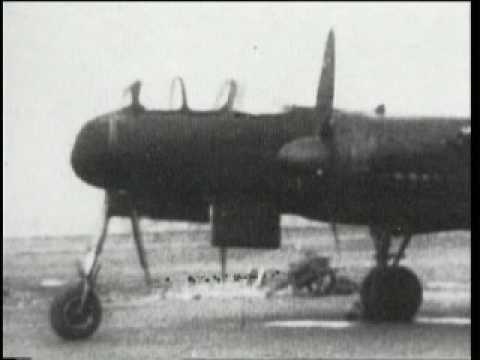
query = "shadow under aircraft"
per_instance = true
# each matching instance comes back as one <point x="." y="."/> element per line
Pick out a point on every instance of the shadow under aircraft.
<point x="400" y="176"/>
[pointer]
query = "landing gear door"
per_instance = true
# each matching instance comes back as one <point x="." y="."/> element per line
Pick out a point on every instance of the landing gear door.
<point x="245" y="223"/>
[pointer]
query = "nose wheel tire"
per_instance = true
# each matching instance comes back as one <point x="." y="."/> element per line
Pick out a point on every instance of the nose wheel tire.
<point x="72" y="321"/>
<point x="391" y="294"/>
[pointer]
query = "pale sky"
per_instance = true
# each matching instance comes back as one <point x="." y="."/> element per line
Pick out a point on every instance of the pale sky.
<point x="66" y="63"/>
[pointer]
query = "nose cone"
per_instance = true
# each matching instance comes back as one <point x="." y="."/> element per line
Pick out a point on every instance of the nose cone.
<point x="91" y="157"/>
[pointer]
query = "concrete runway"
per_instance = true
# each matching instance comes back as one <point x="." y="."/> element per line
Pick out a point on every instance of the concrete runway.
<point x="147" y="326"/>
<point x="228" y="322"/>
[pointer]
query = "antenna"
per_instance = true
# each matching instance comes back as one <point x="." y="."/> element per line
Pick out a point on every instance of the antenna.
<point x="182" y="88"/>
<point x="232" y="93"/>
<point x="134" y="90"/>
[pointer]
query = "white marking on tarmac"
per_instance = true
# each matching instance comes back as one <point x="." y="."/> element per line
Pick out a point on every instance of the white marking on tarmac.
<point x="49" y="283"/>
<point x="447" y="297"/>
<point x="328" y="324"/>
<point x="444" y="320"/>
<point x="343" y="324"/>
<point x="447" y="285"/>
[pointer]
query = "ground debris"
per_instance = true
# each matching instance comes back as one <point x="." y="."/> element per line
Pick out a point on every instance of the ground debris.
<point x="310" y="277"/>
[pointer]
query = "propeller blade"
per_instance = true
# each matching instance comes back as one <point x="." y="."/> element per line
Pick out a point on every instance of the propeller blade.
<point x="326" y="86"/>
<point x="317" y="151"/>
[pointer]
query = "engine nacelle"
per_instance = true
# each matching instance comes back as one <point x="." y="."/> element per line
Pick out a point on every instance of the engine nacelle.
<point x="245" y="223"/>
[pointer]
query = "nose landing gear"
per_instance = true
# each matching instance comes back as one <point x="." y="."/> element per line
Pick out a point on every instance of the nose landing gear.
<point x="390" y="292"/>
<point x="76" y="313"/>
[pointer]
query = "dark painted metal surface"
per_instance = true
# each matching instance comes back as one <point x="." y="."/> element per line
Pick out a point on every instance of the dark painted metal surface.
<point x="318" y="162"/>
<point x="387" y="169"/>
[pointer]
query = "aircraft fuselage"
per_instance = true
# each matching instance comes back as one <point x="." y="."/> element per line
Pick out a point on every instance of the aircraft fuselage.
<point x="176" y="162"/>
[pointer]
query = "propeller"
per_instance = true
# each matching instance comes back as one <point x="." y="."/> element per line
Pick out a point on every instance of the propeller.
<point x="319" y="152"/>
<point x="325" y="96"/>
<point x="326" y="88"/>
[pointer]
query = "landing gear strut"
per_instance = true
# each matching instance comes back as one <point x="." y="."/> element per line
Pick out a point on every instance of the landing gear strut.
<point x="76" y="313"/>
<point x="390" y="292"/>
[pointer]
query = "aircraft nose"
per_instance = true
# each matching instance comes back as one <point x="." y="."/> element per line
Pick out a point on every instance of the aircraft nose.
<point x="91" y="156"/>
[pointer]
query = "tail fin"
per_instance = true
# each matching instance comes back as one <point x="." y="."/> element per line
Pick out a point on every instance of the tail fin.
<point x="326" y="86"/>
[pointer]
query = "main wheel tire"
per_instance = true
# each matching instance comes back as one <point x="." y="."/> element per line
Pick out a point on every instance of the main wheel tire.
<point x="66" y="318"/>
<point x="391" y="294"/>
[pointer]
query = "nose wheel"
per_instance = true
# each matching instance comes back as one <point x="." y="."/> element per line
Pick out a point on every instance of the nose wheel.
<point x="76" y="313"/>
<point x="390" y="292"/>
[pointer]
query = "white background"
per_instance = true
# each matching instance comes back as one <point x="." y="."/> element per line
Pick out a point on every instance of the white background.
<point x="65" y="63"/>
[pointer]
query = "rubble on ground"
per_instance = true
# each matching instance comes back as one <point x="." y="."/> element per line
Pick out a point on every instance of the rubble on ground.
<point x="312" y="276"/>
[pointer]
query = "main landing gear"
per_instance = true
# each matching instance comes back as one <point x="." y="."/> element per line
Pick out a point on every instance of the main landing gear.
<point x="76" y="313"/>
<point x="390" y="292"/>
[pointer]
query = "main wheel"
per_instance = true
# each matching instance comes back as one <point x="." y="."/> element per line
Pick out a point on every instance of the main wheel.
<point x="391" y="294"/>
<point x="69" y="319"/>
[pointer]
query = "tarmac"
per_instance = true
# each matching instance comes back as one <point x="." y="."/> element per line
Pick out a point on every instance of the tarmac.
<point x="234" y="320"/>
